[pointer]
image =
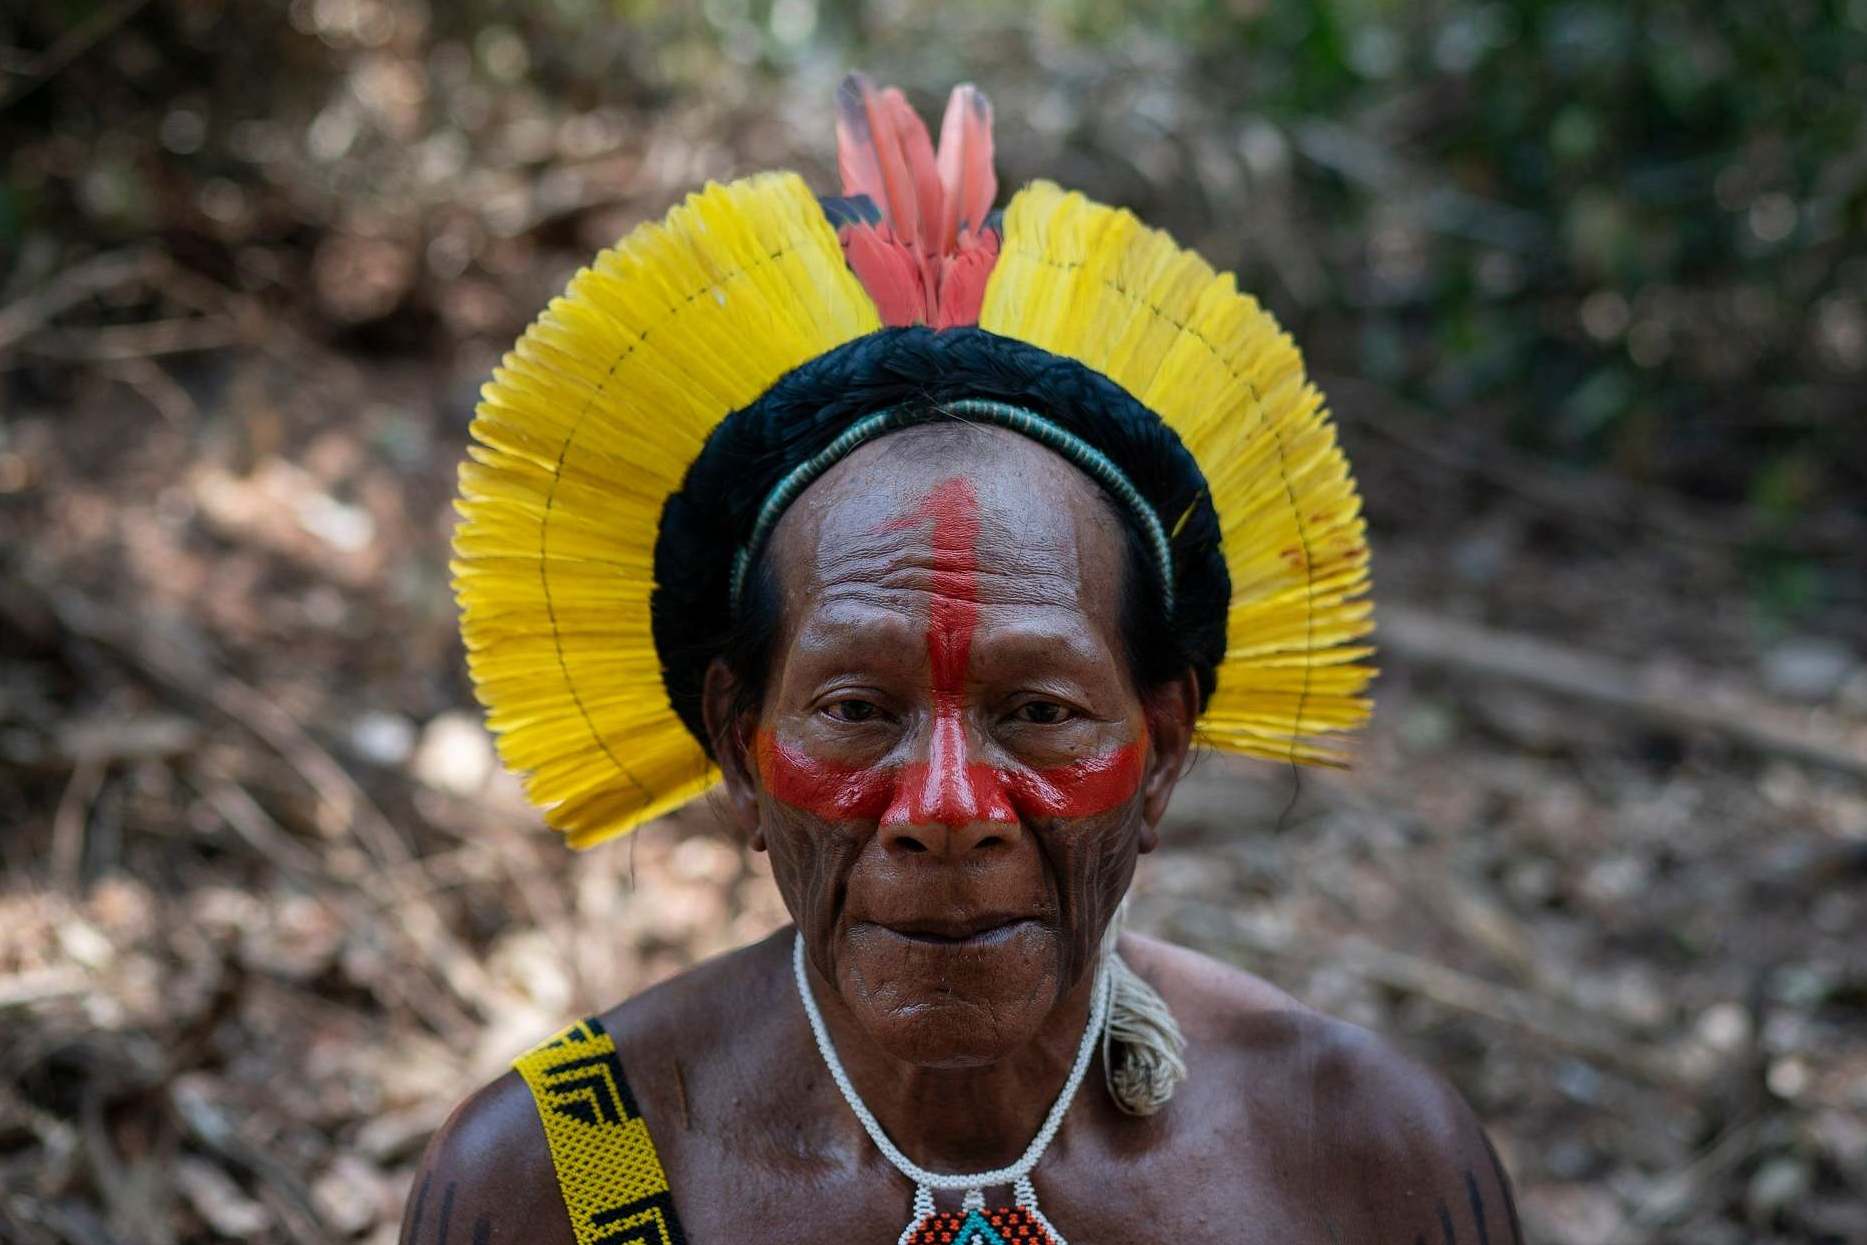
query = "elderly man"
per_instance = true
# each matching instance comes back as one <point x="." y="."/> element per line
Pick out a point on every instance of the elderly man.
<point x="940" y="537"/>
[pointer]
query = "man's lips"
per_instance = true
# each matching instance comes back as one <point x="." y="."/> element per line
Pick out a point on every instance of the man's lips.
<point x="967" y="932"/>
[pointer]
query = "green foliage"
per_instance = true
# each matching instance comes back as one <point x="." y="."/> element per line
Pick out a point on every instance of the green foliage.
<point x="1658" y="198"/>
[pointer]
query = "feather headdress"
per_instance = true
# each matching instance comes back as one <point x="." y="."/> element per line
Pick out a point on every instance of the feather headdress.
<point x="595" y="431"/>
<point x="914" y="223"/>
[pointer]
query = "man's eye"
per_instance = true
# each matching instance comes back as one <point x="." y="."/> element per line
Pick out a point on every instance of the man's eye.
<point x="852" y="710"/>
<point x="1041" y="713"/>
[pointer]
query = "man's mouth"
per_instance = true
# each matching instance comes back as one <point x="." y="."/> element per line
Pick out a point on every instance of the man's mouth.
<point x="982" y="931"/>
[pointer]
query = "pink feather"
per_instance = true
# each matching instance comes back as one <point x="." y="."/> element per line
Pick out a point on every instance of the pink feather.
<point x="923" y="175"/>
<point x="856" y="160"/>
<point x="928" y="260"/>
<point x="888" y="271"/>
<point x="962" y="283"/>
<point x="868" y="119"/>
<point x="966" y="172"/>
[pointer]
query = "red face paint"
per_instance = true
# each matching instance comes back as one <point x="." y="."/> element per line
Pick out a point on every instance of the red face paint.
<point x="949" y="788"/>
<point x="832" y="792"/>
<point x="1081" y="788"/>
<point x="877" y="792"/>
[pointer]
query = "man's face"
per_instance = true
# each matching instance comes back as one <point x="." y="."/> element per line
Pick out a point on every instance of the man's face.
<point x="951" y="761"/>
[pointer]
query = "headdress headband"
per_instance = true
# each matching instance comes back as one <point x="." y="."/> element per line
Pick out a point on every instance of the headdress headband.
<point x="1086" y="457"/>
<point x="695" y="336"/>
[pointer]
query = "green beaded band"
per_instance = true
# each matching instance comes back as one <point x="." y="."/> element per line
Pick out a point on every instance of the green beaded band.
<point x="1090" y="460"/>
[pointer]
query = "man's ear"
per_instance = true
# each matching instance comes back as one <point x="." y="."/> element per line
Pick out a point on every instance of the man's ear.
<point x="1171" y="711"/>
<point x="731" y="732"/>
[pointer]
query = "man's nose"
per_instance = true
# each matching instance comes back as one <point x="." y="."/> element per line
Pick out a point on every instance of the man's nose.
<point x="950" y="804"/>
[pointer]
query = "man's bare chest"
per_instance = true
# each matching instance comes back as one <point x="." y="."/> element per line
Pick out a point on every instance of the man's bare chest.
<point x="1103" y="1203"/>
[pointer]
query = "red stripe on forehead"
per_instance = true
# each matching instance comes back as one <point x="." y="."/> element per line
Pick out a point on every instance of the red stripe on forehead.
<point x="951" y="508"/>
<point x="951" y="791"/>
<point x="954" y="613"/>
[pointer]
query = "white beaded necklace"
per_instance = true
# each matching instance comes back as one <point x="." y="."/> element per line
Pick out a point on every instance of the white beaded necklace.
<point x="1018" y="1174"/>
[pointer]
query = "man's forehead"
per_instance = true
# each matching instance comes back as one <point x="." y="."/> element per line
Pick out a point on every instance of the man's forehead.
<point x="983" y="515"/>
<point x="935" y="482"/>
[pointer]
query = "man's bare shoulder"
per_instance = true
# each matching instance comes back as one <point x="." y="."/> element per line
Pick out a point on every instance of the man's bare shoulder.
<point x="709" y="1006"/>
<point x="1400" y="1146"/>
<point x="1201" y="989"/>
<point x="486" y="1177"/>
<point x="1388" y="1150"/>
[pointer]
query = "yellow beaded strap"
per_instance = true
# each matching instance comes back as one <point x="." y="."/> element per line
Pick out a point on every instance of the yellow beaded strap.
<point x="606" y="1164"/>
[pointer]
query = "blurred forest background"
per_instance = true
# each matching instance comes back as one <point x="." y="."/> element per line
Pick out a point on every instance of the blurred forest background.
<point x="1585" y="282"/>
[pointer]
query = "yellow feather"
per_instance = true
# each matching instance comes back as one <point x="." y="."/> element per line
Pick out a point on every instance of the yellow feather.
<point x="1092" y="283"/>
<point x="585" y="428"/>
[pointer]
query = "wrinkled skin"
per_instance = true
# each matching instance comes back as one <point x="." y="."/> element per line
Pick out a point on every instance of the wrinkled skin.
<point x="954" y="774"/>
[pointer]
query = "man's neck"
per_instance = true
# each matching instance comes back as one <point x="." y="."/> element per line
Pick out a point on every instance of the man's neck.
<point x="960" y="1119"/>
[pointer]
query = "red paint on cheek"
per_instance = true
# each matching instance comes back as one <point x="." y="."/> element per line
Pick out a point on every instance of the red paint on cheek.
<point x="832" y="792"/>
<point x="1081" y="788"/>
<point x="914" y="795"/>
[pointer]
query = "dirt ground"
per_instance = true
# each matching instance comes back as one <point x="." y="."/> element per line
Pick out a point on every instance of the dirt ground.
<point x="269" y="908"/>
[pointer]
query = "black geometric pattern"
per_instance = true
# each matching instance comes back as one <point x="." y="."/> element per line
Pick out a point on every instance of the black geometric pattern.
<point x="591" y="1089"/>
<point x="587" y="1030"/>
<point x="646" y="1221"/>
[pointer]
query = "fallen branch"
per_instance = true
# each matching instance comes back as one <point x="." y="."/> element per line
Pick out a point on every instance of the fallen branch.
<point x="116" y="343"/>
<point x="1681" y="1194"/>
<point x="1554" y="1023"/>
<point x="1557" y="1023"/>
<point x="70" y="821"/>
<point x="157" y="388"/>
<point x="210" y="1125"/>
<point x="74" y="43"/>
<point x="1607" y="502"/>
<point x="345" y="805"/>
<point x="224" y="317"/>
<point x="234" y="805"/>
<point x="41" y="986"/>
<point x="1419" y="638"/>
<point x="72" y="286"/>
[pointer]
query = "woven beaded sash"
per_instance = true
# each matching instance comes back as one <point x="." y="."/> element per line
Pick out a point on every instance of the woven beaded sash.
<point x="606" y="1164"/>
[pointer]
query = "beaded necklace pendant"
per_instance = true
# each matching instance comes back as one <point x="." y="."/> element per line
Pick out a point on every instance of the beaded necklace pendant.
<point x="973" y="1224"/>
<point x="1007" y="1226"/>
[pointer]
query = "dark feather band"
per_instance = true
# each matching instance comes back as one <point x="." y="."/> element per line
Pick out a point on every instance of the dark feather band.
<point x="1084" y="456"/>
<point x="919" y="371"/>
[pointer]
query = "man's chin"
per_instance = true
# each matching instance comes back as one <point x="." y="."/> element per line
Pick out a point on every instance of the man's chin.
<point x="951" y="1003"/>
